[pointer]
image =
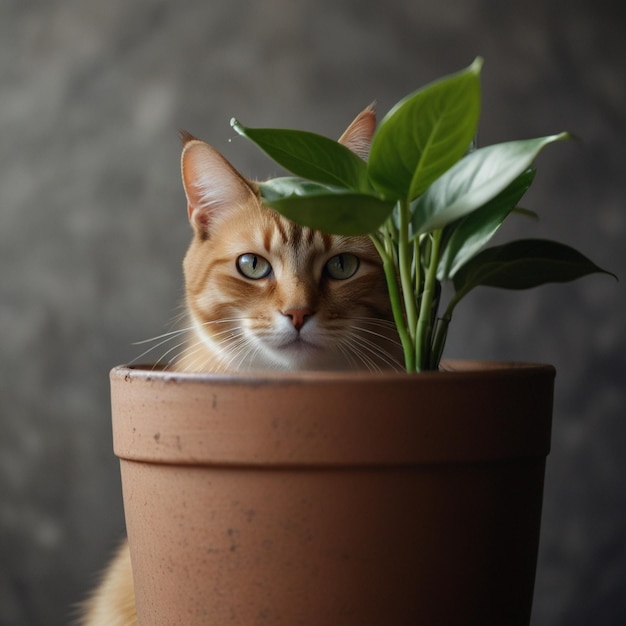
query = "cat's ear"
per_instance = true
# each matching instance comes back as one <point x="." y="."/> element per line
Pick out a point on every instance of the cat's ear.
<point x="212" y="185"/>
<point x="358" y="136"/>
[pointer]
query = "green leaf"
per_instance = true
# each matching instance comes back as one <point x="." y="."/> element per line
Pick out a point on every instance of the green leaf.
<point x="473" y="231"/>
<point x="425" y="134"/>
<point x="285" y="186"/>
<point x="333" y="211"/>
<point x="474" y="181"/>
<point x="530" y="214"/>
<point x="309" y="155"/>
<point x="524" y="264"/>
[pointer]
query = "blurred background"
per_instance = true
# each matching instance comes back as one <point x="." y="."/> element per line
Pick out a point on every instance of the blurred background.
<point x="93" y="228"/>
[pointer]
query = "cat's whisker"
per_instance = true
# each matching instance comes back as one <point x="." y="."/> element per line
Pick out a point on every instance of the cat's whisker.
<point x="225" y="320"/>
<point x="187" y="348"/>
<point x="193" y="358"/>
<point x="375" y="321"/>
<point x="348" y="355"/>
<point x="367" y="321"/>
<point x="172" y="336"/>
<point x="382" y="355"/>
<point x="375" y="349"/>
<point x="165" y="336"/>
<point x="172" y="349"/>
<point x="371" y="353"/>
<point x="179" y="331"/>
<point x="225" y="335"/>
<point x="222" y="339"/>
<point x="376" y="346"/>
<point x="350" y="344"/>
<point x="240" y="350"/>
<point x="371" y="337"/>
<point x="226" y="342"/>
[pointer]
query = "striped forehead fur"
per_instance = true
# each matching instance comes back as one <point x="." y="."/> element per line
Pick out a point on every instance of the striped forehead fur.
<point x="282" y="232"/>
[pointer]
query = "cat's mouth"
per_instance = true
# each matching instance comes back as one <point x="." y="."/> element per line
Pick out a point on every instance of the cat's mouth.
<point x="299" y="343"/>
<point x="301" y="353"/>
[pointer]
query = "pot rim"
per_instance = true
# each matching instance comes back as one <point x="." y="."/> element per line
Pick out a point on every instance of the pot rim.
<point x="472" y="412"/>
<point x="451" y="368"/>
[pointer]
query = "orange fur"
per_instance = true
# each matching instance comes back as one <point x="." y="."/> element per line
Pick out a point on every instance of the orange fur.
<point x="300" y="316"/>
<point x="243" y="324"/>
<point x="113" y="603"/>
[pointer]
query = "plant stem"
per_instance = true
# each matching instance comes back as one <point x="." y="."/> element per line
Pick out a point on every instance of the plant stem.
<point x="395" y="297"/>
<point x="441" y="334"/>
<point x="417" y="269"/>
<point x="424" y="323"/>
<point x="404" y="262"/>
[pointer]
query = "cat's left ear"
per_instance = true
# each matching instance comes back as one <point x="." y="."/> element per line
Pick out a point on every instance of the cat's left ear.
<point x="358" y="136"/>
<point x="212" y="185"/>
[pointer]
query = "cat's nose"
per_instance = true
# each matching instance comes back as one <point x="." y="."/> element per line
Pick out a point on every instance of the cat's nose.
<point x="298" y="316"/>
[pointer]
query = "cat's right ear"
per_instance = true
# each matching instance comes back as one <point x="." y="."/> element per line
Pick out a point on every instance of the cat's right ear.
<point x="212" y="185"/>
<point x="358" y="136"/>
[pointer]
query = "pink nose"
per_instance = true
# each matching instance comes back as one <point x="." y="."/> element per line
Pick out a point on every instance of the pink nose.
<point x="298" y="316"/>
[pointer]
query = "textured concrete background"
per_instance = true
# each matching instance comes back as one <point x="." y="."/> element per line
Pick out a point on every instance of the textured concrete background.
<point x="93" y="229"/>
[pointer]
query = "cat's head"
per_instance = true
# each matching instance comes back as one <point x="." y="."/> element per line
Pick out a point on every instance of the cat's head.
<point x="263" y="292"/>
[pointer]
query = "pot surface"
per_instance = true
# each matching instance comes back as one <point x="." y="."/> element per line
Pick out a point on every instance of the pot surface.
<point x="331" y="498"/>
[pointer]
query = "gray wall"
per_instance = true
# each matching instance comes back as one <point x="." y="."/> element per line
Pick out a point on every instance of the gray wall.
<point x="93" y="228"/>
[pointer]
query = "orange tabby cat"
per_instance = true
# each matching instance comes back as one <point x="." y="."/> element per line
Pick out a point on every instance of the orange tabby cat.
<point x="263" y="292"/>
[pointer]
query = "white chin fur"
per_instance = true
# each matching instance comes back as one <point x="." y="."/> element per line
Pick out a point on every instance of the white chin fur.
<point x="282" y="352"/>
<point x="294" y="356"/>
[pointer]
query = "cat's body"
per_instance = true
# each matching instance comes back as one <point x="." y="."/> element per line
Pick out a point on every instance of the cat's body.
<point x="265" y="293"/>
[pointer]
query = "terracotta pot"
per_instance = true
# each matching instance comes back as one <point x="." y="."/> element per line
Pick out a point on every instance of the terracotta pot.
<point x="334" y="498"/>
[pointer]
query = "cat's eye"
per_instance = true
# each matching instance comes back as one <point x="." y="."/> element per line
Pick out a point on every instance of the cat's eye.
<point x="253" y="266"/>
<point x="342" y="266"/>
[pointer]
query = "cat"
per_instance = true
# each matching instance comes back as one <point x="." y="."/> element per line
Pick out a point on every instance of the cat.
<point x="265" y="293"/>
